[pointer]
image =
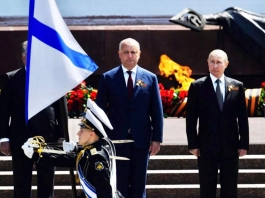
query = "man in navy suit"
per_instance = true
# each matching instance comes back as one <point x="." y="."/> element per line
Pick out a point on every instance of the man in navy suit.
<point x="223" y="134"/>
<point x="130" y="96"/>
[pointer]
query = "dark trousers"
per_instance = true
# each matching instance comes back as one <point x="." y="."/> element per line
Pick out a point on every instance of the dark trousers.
<point x="208" y="175"/>
<point x="22" y="176"/>
<point x="131" y="174"/>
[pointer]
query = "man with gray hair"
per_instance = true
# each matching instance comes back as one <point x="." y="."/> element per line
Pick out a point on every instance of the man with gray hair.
<point x="130" y="96"/>
<point x="218" y="102"/>
<point x="14" y="132"/>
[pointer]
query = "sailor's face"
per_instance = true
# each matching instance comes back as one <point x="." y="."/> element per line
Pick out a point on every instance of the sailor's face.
<point x="84" y="135"/>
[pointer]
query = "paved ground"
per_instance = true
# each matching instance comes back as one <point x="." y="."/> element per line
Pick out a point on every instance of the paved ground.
<point x="174" y="130"/>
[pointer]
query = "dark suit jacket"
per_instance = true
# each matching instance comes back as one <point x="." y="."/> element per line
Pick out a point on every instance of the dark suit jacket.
<point x="142" y="115"/>
<point x="46" y="123"/>
<point x="219" y="131"/>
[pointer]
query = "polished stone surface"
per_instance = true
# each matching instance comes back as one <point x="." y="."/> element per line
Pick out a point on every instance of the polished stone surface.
<point x="194" y="193"/>
<point x="192" y="178"/>
<point x="191" y="164"/>
<point x="254" y="149"/>
<point x="175" y="130"/>
<point x="174" y="144"/>
<point x="156" y="193"/>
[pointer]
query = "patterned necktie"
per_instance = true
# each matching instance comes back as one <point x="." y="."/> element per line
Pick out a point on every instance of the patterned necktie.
<point x="219" y="94"/>
<point x="130" y="84"/>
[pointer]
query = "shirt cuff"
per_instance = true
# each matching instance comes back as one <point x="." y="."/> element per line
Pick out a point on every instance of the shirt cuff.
<point x="4" y="140"/>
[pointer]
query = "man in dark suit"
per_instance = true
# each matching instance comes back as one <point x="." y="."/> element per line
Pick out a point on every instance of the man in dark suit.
<point x="14" y="132"/>
<point x="223" y="135"/>
<point x="130" y="96"/>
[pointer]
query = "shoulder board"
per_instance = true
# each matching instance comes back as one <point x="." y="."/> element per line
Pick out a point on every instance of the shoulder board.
<point x="100" y="153"/>
<point x="93" y="151"/>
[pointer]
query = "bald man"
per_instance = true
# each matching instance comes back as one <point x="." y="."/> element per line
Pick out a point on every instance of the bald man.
<point x="221" y="136"/>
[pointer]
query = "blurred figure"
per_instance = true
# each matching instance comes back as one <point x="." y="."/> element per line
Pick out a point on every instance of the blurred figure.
<point x="14" y="132"/>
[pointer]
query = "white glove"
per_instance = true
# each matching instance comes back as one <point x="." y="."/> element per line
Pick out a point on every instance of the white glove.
<point x="28" y="149"/>
<point x="28" y="152"/>
<point x="30" y="143"/>
<point x="69" y="146"/>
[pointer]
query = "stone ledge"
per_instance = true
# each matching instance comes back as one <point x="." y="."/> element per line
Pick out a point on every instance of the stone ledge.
<point x="161" y="192"/>
<point x="175" y="130"/>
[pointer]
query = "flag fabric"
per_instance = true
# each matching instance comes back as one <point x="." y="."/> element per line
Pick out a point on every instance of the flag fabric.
<point x="55" y="61"/>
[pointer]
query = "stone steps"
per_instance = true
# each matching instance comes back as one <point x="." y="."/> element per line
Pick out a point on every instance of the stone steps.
<point x="168" y="149"/>
<point x="172" y="173"/>
<point x="154" y="177"/>
<point x="173" y="191"/>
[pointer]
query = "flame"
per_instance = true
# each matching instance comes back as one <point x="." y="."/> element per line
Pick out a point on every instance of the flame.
<point x="182" y="74"/>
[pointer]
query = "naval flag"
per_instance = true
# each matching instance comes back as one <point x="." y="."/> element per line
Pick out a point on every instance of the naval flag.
<point x="55" y="61"/>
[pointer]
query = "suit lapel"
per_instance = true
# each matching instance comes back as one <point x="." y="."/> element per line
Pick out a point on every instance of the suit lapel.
<point x="211" y="95"/>
<point x="21" y="77"/>
<point x="139" y="76"/>
<point x="119" y="78"/>
<point x="227" y="92"/>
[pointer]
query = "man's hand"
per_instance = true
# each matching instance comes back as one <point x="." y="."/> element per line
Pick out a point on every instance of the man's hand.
<point x="5" y="148"/>
<point x="242" y="152"/>
<point x="154" y="148"/>
<point x="195" y="152"/>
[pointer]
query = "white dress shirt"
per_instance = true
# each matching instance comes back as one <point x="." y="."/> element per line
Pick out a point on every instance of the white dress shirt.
<point x="126" y="75"/>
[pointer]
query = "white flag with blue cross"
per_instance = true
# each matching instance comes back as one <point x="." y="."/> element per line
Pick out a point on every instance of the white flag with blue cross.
<point x="55" y="61"/>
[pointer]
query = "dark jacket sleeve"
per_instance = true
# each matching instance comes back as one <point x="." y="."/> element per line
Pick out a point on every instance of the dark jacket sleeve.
<point x="243" y="120"/>
<point x="101" y="176"/>
<point x="61" y="116"/>
<point x="102" y="97"/>
<point x="5" y="108"/>
<point x="60" y="160"/>
<point x="192" y="118"/>
<point x="156" y="113"/>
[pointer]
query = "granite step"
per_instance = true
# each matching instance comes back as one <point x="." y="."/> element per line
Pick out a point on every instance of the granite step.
<point x="157" y="191"/>
<point x="247" y="176"/>
<point x="154" y="177"/>
<point x="187" y="162"/>
<point x="168" y="149"/>
<point x="171" y="173"/>
<point x="171" y="162"/>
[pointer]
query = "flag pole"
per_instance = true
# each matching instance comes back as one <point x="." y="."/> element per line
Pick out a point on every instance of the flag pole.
<point x="64" y="117"/>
